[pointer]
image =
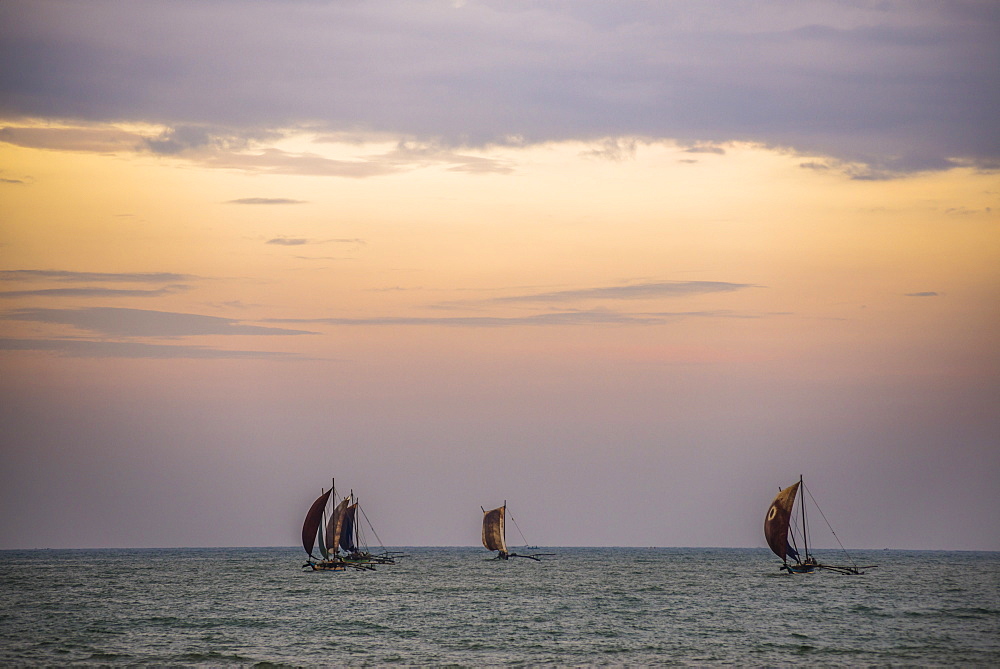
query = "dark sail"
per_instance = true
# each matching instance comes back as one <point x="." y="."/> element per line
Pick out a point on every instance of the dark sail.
<point x="347" y="531"/>
<point x="776" y="522"/>
<point x="313" y="519"/>
<point x="493" y="530"/>
<point x="334" y="527"/>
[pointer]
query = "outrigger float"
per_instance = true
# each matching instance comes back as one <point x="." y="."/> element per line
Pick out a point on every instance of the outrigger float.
<point x="339" y="536"/>
<point x="781" y="539"/>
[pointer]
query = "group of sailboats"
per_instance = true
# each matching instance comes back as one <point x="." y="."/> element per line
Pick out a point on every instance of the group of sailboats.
<point x="337" y="533"/>
<point x="339" y="536"/>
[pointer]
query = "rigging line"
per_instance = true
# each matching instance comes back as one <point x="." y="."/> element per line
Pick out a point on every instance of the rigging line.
<point x="359" y="539"/>
<point x="381" y="545"/>
<point x="518" y="529"/>
<point x="361" y="542"/>
<point x="830" y="526"/>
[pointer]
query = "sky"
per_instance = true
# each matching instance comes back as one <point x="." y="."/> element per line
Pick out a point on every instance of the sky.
<point x="630" y="267"/>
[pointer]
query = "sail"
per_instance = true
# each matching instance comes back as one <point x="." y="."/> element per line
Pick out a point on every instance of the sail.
<point x="313" y="519"/>
<point x="335" y="526"/>
<point x="347" y="531"/>
<point x="493" y="530"/>
<point x="776" y="522"/>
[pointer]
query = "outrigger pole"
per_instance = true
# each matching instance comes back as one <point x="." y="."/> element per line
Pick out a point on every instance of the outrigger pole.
<point x="840" y="569"/>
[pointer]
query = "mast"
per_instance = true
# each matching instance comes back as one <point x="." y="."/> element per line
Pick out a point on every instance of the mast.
<point x="333" y="494"/>
<point x="324" y="551"/>
<point x="355" y="525"/>
<point x="503" y="532"/>
<point x="805" y="532"/>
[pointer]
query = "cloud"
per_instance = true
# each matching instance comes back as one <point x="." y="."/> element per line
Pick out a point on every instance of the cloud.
<point x="95" y="140"/>
<point x="276" y="161"/>
<point x="615" y="149"/>
<point x="282" y="241"/>
<point x="265" y="200"/>
<point x="84" y="277"/>
<point x="717" y="150"/>
<point x="118" y="322"/>
<point x="62" y="276"/>
<point x="176" y="140"/>
<point x="301" y="241"/>
<point x="634" y="291"/>
<point x="556" y="318"/>
<point x="411" y="155"/>
<point x="895" y="85"/>
<point x="104" y="349"/>
<point x="923" y="294"/>
<point x="872" y="175"/>
<point x="407" y="155"/>
<point x="965" y="211"/>
<point x="91" y="292"/>
<point x="186" y="139"/>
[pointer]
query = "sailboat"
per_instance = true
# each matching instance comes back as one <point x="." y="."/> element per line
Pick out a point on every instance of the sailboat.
<point x="781" y="539"/>
<point x="312" y="529"/>
<point x="495" y="534"/>
<point x="339" y="538"/>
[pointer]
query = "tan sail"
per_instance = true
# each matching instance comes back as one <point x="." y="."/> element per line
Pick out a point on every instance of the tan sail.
<point x="493" y="530"/>
<point x="776" y="522"/>
<point x="336" y="525"/>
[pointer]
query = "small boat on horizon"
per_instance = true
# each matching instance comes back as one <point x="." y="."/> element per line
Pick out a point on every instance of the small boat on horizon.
<point x="782" y="541"/>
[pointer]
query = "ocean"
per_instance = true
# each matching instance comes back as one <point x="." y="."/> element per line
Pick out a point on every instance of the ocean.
<point x="455" y="606"/>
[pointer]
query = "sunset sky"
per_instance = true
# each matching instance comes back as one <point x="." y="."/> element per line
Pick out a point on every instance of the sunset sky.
<point x="630" y="266"/>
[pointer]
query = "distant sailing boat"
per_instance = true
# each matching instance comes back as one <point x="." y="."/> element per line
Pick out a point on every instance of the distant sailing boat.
<point x="781" y="539"/>
<point x="494" y="534"/>
<point x="340" y="532"/>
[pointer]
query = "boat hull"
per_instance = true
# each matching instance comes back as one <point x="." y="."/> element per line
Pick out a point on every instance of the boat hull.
<point x="328" y="566"/>
<point x="799" y="568"/>
<point x="838" y="569"/>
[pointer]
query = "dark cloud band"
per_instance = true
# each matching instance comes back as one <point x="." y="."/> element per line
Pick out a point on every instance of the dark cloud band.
<point x="897" y="85"/>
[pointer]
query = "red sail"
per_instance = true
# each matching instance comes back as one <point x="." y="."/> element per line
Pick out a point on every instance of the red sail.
<point x="777" y="519"/>
<point x="311" y="526"/>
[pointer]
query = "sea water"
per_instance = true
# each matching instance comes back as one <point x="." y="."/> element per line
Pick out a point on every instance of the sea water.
<point x="455" y="606"/>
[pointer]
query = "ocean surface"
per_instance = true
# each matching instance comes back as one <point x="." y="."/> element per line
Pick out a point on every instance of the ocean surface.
<point x="454" y="606"/>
